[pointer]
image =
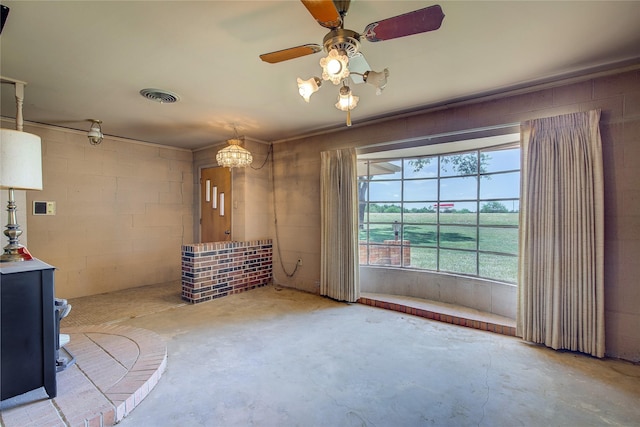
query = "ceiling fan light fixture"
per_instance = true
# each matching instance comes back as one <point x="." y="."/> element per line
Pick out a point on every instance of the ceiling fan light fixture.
<point x="346" y="100"/>
<point x="343" y="47"/>
<point x="377" y="79"/>
<point x="335" y="66"/>
<point x="306" y="88"/>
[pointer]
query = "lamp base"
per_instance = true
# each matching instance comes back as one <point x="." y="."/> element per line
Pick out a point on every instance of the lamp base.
<point x="15" y="254"/>
<point x="14" y="251"/>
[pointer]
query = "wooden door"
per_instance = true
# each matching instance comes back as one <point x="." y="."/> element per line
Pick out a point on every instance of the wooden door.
<point x="215" y="204"/>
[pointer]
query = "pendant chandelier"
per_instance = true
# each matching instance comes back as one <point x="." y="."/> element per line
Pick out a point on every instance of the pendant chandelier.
<point x="233" y="155"/>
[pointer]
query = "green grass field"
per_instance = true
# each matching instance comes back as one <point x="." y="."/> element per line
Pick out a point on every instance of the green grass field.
<point x="459" y="239"/>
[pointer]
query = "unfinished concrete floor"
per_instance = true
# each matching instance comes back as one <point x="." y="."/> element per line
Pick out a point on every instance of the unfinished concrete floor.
<point x="279" y="357"/>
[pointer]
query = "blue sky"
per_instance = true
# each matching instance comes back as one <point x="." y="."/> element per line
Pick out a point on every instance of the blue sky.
<point x="452" y="188"/>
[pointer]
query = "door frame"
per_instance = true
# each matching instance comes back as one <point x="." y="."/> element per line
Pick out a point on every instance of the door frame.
<point x="198" y="212"/>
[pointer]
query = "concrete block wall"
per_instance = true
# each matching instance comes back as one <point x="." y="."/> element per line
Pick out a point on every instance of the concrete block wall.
<point x="617" y="94"/>
<point x="124" y="209"/>
<point x="297" y="210"/>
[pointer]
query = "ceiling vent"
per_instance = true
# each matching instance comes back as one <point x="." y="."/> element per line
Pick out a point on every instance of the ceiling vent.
<point x="160" y="95"/>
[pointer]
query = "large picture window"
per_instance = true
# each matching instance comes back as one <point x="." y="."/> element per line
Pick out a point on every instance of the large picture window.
<point x="449" y="212"/>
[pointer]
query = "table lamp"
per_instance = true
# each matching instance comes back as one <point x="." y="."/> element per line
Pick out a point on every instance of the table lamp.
<point x="20" y="169"/>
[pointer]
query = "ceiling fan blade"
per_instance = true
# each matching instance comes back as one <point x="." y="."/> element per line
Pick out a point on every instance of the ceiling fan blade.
<point x="358" y="65"/>
<point x="291" y="53"/>
<point x="324" y="11"/>
<point x="419" y="21"/>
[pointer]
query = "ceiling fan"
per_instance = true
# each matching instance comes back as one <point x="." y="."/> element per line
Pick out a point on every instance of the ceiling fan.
<point x="343" y="47"/>
<point x="330" y="14"/>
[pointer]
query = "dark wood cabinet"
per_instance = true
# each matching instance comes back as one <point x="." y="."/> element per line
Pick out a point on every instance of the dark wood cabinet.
<point x="27" y="328"/>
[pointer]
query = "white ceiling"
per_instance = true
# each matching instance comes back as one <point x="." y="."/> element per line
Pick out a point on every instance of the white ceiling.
<point x="90" y="59"/>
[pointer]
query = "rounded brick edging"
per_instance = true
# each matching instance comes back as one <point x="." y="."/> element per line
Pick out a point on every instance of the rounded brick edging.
<point x="141" y="378"/>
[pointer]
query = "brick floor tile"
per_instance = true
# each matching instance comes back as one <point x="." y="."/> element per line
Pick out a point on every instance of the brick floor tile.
<point x="111" y="376"/>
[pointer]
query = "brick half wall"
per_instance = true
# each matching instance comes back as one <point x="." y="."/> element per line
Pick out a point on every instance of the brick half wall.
<point x="215" y="270"/>
<point x="390" y="252"/>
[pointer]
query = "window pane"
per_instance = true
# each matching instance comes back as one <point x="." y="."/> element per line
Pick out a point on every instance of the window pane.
<point x="492" y="213"/>
<point x="458" y="237"/>
<point x="421" y="190"/>
<point x="499" y="267"/>
<point x="362" y="168"/>
<point x="390" y="253"/>
<point x="423" y="235"/>
<point x="500" y="160"/>
<point x="379" y="233"/>
<point x="424" y="258"/>
<point x="499" y="240"/>
<point x="458" y="261"/>
<point x="426" y="167"/>
<point x="386" y="191"/>
<point x="460" y="213"/>
<point x="363" y="213"/>
<point x="500" y="185"/>
<point x="376" y="255"/>
<point x="459" y="188"/>
<point x="391" y="169"/>
<point x="420" y="213"/>
<point x="459" y="164"/>
<point x="446" y="216"/>
<point x="386" y="212"/>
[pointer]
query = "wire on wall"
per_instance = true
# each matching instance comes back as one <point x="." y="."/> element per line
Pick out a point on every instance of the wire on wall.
<point x="275" y="215"/>
<point x="269" y="153"/>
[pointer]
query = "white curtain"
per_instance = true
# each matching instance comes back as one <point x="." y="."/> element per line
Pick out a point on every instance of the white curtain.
<point x="560" y="275"/>
<point x="339" y="269"/>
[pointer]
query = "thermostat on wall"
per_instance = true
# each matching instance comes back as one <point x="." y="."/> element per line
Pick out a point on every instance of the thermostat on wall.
<point x="44" y="208"/>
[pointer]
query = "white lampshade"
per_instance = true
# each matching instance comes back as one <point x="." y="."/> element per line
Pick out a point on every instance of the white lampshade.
<point x="335" y="67"/>
<point x="379" y="80"/>
<point x="20" y="160"/>
<point x="346" y="100"/>
<point x="306" y="88"/>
